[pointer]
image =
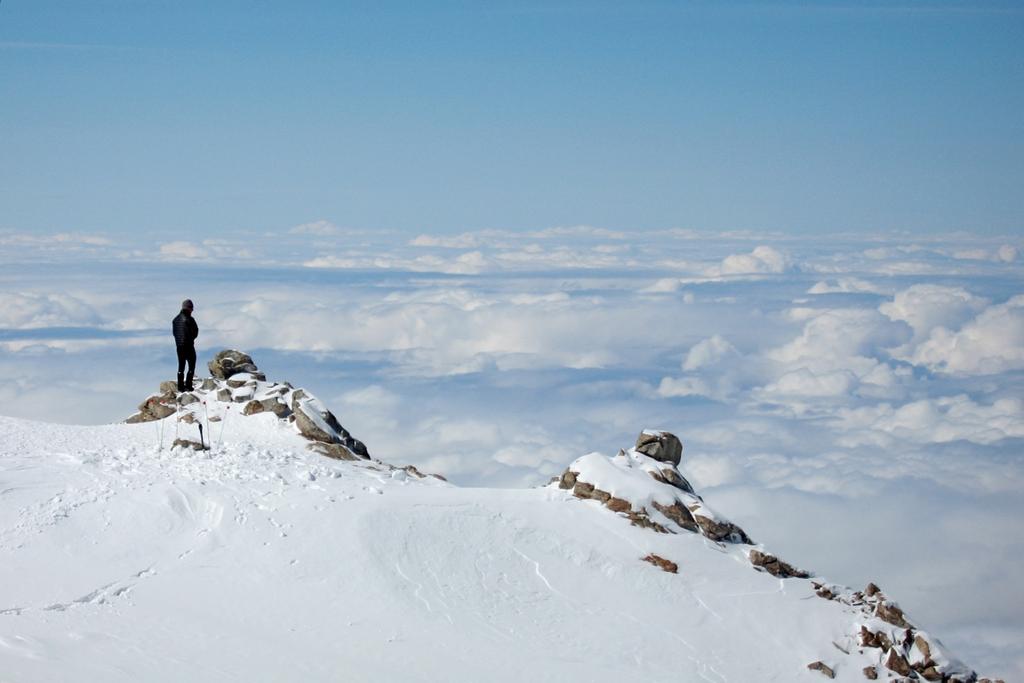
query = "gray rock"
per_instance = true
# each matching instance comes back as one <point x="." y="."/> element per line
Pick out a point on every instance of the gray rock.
<point x="276" y="406"/>
<point x="155" y="407"/>
<point x="678" y="513"/>
<point x="231" y="362"/>
<point x="252" y="408"/>
<point x="775" y="566"/>
<point x="334" y="450"/>
<point x="722" y="531"/>
<point x="187" y="399"/>
<point x="670" y="476"/>
<point x="306" y="414"/>
<point x="662" y="446"/>
<point x="308" y="425"/>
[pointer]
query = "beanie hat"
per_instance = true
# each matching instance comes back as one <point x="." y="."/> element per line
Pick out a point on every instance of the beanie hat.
<point x="187" y="305"/>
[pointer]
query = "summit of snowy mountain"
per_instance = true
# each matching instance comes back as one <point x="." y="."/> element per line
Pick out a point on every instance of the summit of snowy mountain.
<point x="270" y="546"/>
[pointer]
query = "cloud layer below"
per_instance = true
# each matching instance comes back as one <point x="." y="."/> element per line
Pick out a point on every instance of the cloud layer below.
<point x="856" y="401"/>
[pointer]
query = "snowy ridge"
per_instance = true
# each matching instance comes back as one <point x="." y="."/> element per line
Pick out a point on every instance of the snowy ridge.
<point x="257" y="558"/>
<point x="644" y="486"/>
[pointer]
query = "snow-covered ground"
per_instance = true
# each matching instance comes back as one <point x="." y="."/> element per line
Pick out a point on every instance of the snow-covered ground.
<point x="262" y="561"/>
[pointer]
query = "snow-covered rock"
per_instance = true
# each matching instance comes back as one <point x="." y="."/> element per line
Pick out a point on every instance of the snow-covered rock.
<point x="236" y="380"/>
<point x="648" y="490"/>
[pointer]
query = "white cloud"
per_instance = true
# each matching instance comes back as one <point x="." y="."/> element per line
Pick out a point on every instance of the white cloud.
<point x="467" y="240"/>
<point x="709" y="352"/>
<point x="1006" y="253"/>
<point x="26" y="310"/>
<point x="204" y="250"/>
<point x="928" y="421"/>
<point x="182" y="250"/>
<point x="926" y="307"/>
<point x="674" y="387"/>
<point x="990" y="344"/>
<point x="803" y="382"/>
<point x="846" y="285"/>
<point x="762" y="260"/>
<point x="468" y="263"/>
<point x="68" y="240"/>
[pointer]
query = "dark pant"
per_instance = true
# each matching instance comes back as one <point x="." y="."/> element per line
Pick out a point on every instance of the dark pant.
<point x="186" y="354"/>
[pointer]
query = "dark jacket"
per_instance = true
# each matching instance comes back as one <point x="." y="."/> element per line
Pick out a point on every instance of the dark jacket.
<point x="185" y="329"/>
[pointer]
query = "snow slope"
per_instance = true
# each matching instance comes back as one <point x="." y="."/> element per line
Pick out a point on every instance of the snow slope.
<point x="263" y="561"/>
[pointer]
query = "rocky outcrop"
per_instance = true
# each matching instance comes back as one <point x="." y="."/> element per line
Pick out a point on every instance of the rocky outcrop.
<point x="231" y="362"/>
<point x="237" y="380"/>
<point x="667" y="502"/>
<point x="903" y="649"/>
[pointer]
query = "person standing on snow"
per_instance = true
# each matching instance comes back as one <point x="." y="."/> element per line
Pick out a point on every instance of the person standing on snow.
<point x="185" y="332"/>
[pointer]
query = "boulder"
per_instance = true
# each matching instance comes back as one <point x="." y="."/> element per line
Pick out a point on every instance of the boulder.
<point x="231" y="362"/>
<point x="168" y="387"/>
<point x="898" y="663"/>
<point x="155" y="407"/>
<point x="276" y="406"/>
<point x="311" y="425"/>
<point x="252" y="408"/>
<point x="890" y="612"/>
<point x="618" y="504"/>
<point x="871" y="673"/>
<point x="662" y="446"/>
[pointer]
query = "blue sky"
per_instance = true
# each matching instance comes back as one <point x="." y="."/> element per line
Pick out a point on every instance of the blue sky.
<point x="195" y="118"/>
